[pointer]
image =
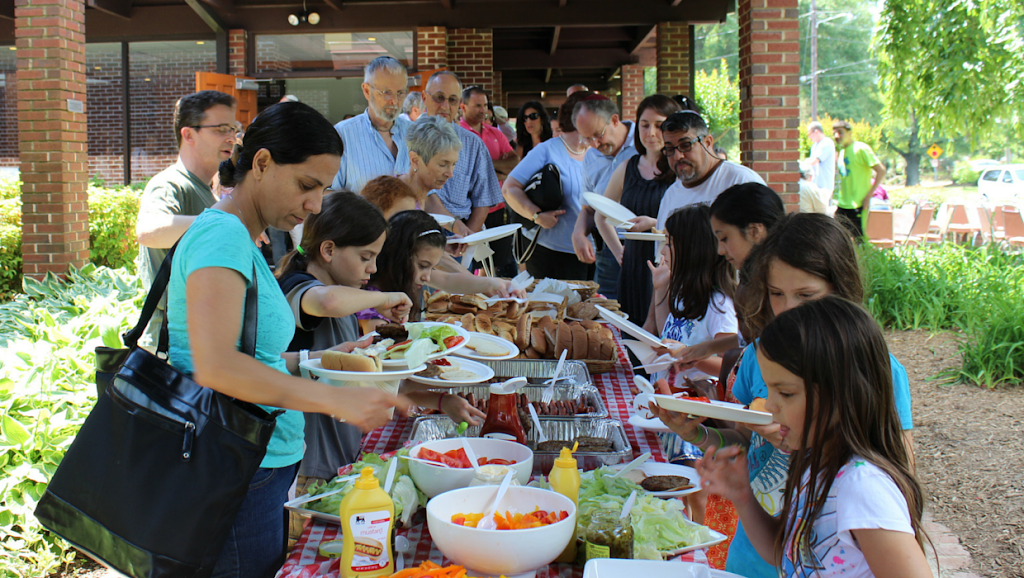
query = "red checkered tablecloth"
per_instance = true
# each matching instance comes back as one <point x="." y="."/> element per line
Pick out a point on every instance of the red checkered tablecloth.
<point x="616" y="387"/>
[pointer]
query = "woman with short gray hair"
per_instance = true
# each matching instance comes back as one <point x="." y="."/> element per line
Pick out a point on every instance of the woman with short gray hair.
<point x="433" y="151"/>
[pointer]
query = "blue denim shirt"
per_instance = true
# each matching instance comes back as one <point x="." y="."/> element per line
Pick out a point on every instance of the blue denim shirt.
<point x="366" y="155"/>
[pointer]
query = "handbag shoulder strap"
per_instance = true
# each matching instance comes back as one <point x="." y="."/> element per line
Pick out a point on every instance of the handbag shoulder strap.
<point x="159" y="288"/>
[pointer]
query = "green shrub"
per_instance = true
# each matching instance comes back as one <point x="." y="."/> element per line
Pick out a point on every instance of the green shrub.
<point x="10" y="244"/>
<point x="47" y="388"/>
<point x="112" y="215"/>
<point x="963" y="174"/>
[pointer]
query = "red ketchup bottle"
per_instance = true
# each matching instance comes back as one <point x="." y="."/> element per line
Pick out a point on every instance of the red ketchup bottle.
<point x="502" y="417"/>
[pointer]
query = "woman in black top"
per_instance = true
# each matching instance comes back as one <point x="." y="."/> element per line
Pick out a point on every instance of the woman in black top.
<point x="532" y="127"/>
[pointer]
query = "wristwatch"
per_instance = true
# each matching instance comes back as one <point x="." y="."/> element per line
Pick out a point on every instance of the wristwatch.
<point x="534" y="217"/>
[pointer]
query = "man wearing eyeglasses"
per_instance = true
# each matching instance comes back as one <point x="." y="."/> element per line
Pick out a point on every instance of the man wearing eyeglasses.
<point x="611" y="143"/>
<point x="205" y="128"/>
<point x="700" y="174"/>
<point x="375" y="140"/>
<point x="473" y="188"/>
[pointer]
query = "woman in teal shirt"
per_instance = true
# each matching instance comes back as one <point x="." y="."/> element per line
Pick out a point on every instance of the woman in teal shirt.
<point x="289" y="157"/>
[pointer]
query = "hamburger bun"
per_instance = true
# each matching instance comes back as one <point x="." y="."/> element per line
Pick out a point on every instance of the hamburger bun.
<point x="546" y="323"/>
<point x="579" y="342"/>
<point x="461" y="308"/>
<point x="473" y="300"/>
<point x="438" y="296"/>
<point x="497" y="309"/>
<point x="591" y="325"/>
<point x="500" y="326"/>
<point x="439" y="306"/>
<point x="338" y="361"/>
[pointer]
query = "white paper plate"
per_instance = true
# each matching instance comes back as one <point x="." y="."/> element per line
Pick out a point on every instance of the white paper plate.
<point x="483" y="373"/>
<point x="599" y="319"/>
<point x="486" y="235"/>
<point x="715" y="409"/>
<point x="314" y="367"/>
<point x="654" y="425"/>
<point x="443" y="220"/>
<point x="716" y="538"/>
<point x="658" y="237"/>
<point x="648" y="358"/>
<point x="662" y="469"/>
<point x="613" y="568"/>
<point x="468" y="353"/>
<point x="390" y="364"/>
<point x="609" y="208"/>
<point x="629" y="327"/>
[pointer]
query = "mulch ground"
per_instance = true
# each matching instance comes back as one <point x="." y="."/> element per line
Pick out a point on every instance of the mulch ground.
<point x="970" y="453"/>
<point x="970" y="456"/>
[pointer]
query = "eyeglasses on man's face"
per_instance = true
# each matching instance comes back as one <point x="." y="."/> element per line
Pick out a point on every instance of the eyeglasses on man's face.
<point x="219" y="129"/>
<point x="597" y="137"/>
<point x="532" y="116"/>
<point x="391" y="95"/>
<point x="440" y="98"/>
<point x="684" y="146"/>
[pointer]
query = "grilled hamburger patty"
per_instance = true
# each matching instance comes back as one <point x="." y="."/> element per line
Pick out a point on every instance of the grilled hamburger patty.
<point x="663" y="483"/>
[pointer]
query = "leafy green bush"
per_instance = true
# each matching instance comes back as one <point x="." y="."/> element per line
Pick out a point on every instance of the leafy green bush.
<point x="47" y="388"/>
<point x="978" y="291"/>
<point x="10" y="247"/>
<point x="963" y="174"/>
<point x="112" y="215"/>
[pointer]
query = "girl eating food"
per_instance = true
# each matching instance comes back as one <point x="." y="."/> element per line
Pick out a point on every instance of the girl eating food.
<point x="851" y="505"/>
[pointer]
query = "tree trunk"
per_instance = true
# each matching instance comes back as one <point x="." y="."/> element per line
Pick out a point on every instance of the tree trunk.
<point x="913" y="168"/>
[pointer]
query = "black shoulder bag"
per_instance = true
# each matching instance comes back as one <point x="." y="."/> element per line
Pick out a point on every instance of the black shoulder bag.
<point x="152" y="483"/>
<point x="544" y="190"/>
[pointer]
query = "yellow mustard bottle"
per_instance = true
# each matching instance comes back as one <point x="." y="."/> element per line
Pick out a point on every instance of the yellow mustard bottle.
<point x="367" y="518"/>
<point x="565" y="479"/>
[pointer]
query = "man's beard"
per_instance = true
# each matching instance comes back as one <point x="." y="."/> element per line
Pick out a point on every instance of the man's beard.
<point x="684" y="175"/>
<point x="383" y="114"/>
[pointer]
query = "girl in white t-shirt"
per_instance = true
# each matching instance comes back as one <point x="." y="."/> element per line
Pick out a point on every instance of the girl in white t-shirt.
<point x="693" y="304"/>
<point x="852" y="506"/>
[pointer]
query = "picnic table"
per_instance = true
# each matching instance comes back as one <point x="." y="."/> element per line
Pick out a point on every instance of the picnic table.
<point x="616" y="387"/>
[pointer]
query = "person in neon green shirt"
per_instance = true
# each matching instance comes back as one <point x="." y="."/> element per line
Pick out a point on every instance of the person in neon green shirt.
<point x="861" y="173"/>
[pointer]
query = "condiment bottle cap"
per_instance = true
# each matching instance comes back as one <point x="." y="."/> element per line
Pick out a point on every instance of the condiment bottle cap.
<point x="366" y="481"/>
<point x="565" y="459"/>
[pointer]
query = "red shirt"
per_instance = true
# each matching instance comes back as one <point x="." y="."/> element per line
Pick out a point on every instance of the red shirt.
<point x="493" y="138"/>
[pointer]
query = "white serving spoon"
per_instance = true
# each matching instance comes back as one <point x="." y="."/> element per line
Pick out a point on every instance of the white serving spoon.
<point x="541" y="438"/>
<point x="633" y="465"/>
<point x="471" y="455"/>
<point x="487" y="522"/>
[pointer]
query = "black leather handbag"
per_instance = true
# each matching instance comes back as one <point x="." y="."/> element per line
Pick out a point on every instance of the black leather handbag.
<point x="152" y="483"/>
<point x="544" y="190"/>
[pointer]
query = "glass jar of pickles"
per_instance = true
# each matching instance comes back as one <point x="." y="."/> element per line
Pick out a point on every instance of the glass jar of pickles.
<point x="609" y="536"/>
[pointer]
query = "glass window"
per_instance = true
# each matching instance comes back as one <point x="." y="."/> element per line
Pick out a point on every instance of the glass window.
<point x="1007" y="177"/>
<point x="991" y="176"/>
<point x="1020" y="175"/>
<point x="336" y="51"/>
<point x="161" y="73"/>
<point x="104" y="88"/>
<point x="8" y="109"/>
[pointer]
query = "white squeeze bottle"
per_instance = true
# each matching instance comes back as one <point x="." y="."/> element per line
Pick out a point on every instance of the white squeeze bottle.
<point x="565" y="479"/>
<point x="367" y="518"/>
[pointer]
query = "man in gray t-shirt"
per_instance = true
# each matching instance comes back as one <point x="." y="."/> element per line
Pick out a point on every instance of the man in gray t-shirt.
<point x="206" y="131"/>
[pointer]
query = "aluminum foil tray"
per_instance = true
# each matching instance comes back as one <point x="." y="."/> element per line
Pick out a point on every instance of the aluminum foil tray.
<point x="534" y="393"/>
<point x="537" y="370"/>
<point x="437" y="427"/>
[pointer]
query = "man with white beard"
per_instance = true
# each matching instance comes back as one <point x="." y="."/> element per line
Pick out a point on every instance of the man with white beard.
<point x="375" y="140"/>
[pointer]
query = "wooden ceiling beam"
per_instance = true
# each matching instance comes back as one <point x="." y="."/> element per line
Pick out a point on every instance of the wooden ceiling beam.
<point x="642" y="34"/>
<point x="554" y="39"/>
<point x="209" y="15"/>
<point x="119" y="8"/>
<point x="7" y="9"/>
<point x="564" y="58"/>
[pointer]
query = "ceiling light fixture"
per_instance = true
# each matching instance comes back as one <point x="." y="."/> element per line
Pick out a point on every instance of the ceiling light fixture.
<point x="304" y="16"/>
<point x="372" y="39"/>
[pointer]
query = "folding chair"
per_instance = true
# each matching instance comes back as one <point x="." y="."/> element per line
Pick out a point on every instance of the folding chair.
<point x="937" y="231"/>
<point x="919" y="230"/>
<point x="879" y="229"/>
<point x="1014" y="226"/>
<point x="960" y="224"/>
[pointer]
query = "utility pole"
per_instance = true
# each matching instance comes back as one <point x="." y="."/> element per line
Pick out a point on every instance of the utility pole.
<point x="814" y="60"/>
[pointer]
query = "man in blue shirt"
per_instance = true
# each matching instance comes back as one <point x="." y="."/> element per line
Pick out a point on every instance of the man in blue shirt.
<point x="473" y="188"/>
<point x="375" y="140"/>
<point x="611" y="143"/>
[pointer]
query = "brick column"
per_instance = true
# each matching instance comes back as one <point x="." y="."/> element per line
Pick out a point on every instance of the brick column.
<point x="471" y="56"/>
<point x="770" y="93"/>
<point x="431" y="47"/>
<point x="237" y="43"/>
<point x="674" y="58"/>
<point x="52" y="140"/>
<point x="632" y="89"/>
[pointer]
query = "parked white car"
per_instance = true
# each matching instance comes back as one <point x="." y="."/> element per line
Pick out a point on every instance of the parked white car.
<point x="1002" y="182"/>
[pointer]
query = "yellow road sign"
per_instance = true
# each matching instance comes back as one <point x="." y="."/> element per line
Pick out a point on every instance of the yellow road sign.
<point x="935" y="151"/>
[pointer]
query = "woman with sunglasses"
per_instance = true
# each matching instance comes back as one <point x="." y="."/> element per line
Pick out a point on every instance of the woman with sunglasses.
<point x="532" y="127"/>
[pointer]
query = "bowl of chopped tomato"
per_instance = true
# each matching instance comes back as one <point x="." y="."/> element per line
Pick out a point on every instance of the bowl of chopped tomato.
<point x="535" y="526"/>
<point x="451" y="468"/>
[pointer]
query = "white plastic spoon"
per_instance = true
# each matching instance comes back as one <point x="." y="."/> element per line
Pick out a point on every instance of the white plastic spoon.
<point x="390" y="478"/>
<point x="402" y="546"/>
<point x="487" y="522"/>
<point x="541" y="438"/>
<point x="471" y="455"/>
<point x="412" y="459"/>
<point x="628" y="506"/>
<point x="633" y="465"/>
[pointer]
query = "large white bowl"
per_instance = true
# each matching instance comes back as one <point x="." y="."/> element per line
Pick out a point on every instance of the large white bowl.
<point x="433" y="480"/>
<point x="511" y="553"/>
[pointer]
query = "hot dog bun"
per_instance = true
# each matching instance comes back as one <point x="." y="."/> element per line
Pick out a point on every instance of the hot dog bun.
<point x="338" y="361"/>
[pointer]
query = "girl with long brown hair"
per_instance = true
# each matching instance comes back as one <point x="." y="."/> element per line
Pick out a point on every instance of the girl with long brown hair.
<point x="852" y="506"/>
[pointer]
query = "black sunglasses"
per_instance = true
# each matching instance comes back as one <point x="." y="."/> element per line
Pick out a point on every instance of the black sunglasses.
<point x="532" y="116"/>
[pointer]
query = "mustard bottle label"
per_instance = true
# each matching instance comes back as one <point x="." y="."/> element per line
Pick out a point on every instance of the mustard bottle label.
<point x="598" y="551"/>
<point x="370" y="534"/>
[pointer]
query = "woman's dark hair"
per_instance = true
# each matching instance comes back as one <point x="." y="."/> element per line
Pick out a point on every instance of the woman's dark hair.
<point x="849" y="412"/>
<point x="748" y="203"/>
<point x="664" y="106"/>
<point x="345" y="218"/>
<point x="698" y="271"/>
<point x="523" y="138"/>
<point x="291" y="131"/>
<point x="409" y="232"/>
<point x="810" y="242"/>
<point x="565" y="111"/>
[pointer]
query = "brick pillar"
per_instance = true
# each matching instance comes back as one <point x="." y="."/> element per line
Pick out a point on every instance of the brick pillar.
<point x="770" y="93"/>
<point x="237" y="43"/>
<point x="674" y="58"/>
<point x="52" y="140"/>
<point x="431" y="47"/>
<point x="632" y="89"/>
<point x="471" y="56"/>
